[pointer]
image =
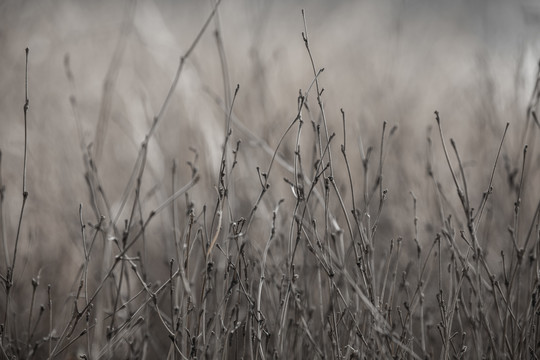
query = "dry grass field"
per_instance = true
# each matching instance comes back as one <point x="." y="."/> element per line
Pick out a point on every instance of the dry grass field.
<point x="269" y="179"/>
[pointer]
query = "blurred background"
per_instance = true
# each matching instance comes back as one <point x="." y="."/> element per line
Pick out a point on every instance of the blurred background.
<point x="99" y="72"/>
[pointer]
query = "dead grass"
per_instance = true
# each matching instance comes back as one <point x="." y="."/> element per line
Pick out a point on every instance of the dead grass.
<point x="305" y="234"/>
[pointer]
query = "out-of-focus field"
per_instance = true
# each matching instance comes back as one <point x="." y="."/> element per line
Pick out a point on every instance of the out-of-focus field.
<point x="378" y="257"/>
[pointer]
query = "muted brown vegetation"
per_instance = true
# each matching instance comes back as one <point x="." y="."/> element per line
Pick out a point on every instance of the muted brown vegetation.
<point x="308" y="212"/>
